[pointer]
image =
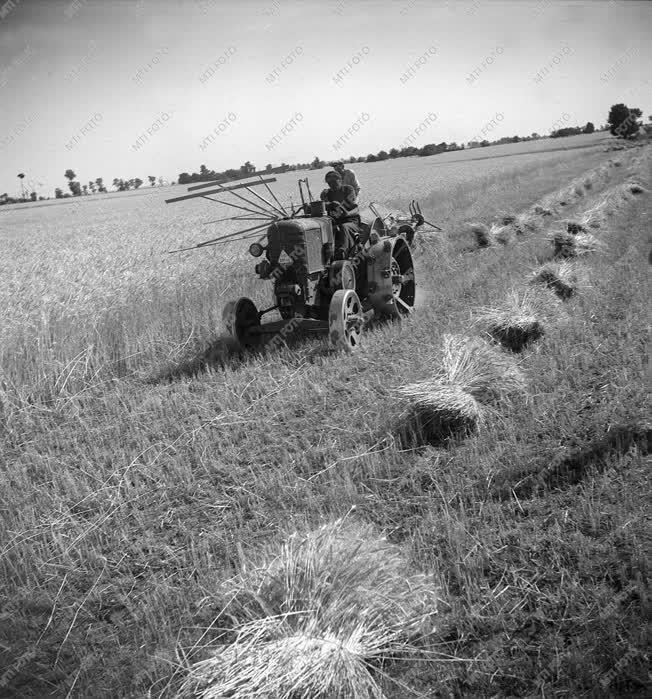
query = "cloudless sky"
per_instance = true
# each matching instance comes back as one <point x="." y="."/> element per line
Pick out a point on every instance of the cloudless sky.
<point x="64" y="64"/>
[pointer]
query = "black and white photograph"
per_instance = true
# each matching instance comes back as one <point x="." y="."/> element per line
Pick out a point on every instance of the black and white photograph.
<point x="324" y="349"/>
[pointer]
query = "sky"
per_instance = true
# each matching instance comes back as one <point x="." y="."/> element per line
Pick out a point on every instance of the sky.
<point x="122" y="89"/>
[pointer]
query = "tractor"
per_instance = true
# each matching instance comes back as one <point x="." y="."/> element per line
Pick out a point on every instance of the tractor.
<point x="312" y="291"/>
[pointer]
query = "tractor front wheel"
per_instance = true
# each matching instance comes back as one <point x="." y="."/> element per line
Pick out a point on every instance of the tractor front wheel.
<point x="345" y="320"/>
<point x="241" y="319"/>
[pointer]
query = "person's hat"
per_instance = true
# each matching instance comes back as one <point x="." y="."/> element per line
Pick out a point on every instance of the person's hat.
<point x="332" y="175"/>
<point x="338" y="162"/>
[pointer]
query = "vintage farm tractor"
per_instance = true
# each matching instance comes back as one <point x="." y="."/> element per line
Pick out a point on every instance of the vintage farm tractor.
<point x="313" y="291"/>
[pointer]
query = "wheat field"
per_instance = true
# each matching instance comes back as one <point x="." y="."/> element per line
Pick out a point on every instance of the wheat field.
<point x="143" y="465"/>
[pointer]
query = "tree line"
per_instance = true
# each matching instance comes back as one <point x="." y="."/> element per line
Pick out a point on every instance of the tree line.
<point x="621" y="122"/>
<point x="97" y="186"/>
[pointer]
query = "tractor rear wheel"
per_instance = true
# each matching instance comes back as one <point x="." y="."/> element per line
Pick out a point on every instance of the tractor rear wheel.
<point x="240" y="319"/>
<point x="345" y="320"/>
<point x="403" y="283"/>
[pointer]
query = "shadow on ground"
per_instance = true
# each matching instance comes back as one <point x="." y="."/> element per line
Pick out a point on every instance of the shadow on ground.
<point x="225" y="353"/>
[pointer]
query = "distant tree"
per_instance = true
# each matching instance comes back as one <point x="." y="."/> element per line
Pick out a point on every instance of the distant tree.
<point x="58" y="193"/>
<point x="137" y="182"/>
<point x="568" y="131"/>
<point x="91" y="186"/>
<point x="484" y="144"/>
<point x="116" y="183"/>
<point x="152" y="180"/>
<point x="100" y="185"/>
<point x="382" y="155"/>
<point x="85" y="188"/>
<point x="160" y="182"/>
<point x="534" y="135"/>
<point x="317" y="163"/>
<point x="430" y="149"/>
<point x="589" y="128"/>
<point x="394" y="153"/>
<point x="184" y="178"/>
<point x="74" y="187"/>
<point x="247" y="168"/>
<point x="623" y="121"/>
<point x="371" y="158"/>
<point x="32" y="196"/>
<point x="268" y="167"/>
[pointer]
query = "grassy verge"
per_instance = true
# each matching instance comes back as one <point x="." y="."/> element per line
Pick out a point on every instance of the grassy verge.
<point x="128" y="503"/>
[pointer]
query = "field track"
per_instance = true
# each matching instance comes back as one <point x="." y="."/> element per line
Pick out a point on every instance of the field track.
<point x="138" y="485"/>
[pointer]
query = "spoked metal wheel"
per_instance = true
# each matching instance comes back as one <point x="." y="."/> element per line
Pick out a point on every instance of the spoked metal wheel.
<point x="403" y="282"/>
<point x="345" y="320"/>
<point x="241" y="320"/>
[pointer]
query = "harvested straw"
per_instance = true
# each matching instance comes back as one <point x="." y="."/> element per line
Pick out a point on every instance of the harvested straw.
<point x="575" y="227"/>
<point x="636" y="188"/>
<point x="561" y="277"/>
<point x="574" y="245"/>
<point x="317" y="614"/>
<point x="516" y="324"/>
<point x="541" y="211"/>
<point x="473" y="378"/>
<point x="481" y="233"/>
<point x="503" y="235"/>
<point x="525" y="223"/>
<point x="438" y="412"/>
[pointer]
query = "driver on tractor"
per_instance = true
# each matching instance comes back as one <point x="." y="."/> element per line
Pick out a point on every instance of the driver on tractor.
<point x="342" y="207"/>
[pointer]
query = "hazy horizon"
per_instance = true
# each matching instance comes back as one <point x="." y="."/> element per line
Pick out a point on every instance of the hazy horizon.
<point x="131" y="89"/>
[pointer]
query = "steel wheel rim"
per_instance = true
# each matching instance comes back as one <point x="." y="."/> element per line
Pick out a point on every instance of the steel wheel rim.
<point x="352" y="318"/>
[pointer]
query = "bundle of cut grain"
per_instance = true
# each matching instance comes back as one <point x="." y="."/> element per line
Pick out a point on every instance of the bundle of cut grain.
<point x="541" y="211"/>
<point x="516" y="323"/>
<point x="473" y="378"/>
<point x="574" y="245"/>
<point x="503" y="235"/>
<point x="438" y="411"/>
<point x="317" y="615"/>
<point x="575" y="227"/>
<point x="525" y="223"/>
<point x="561" y="277"/>
<point x="481" y="233"/>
